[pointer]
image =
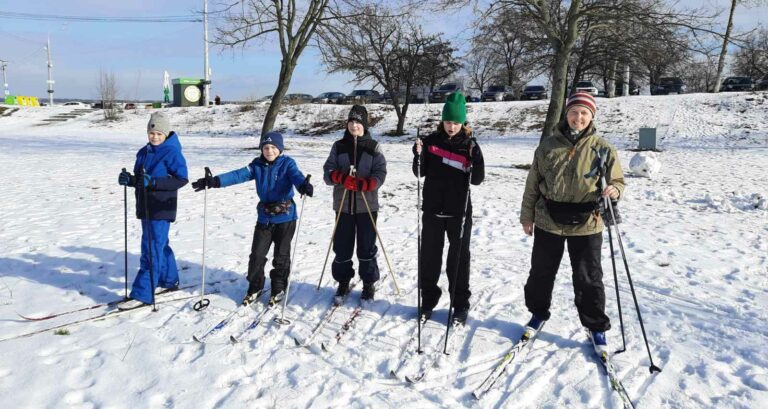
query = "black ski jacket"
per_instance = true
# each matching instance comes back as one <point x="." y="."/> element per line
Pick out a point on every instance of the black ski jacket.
<point x="445" y="165"/>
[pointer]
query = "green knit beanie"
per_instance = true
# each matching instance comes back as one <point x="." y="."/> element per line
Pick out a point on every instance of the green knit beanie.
<point x="455" y="109"/>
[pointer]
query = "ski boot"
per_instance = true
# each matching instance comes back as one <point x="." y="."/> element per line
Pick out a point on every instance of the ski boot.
<point x="341" y="292"/>
<point x="129" y="304"/>
<point x="599" y="343"/>
<point x="276" y="298"/>
<point x="254" y="291"/>
<point x="369" y="291"/>
<point x="533" y="327"/>
<point x="460" y="316"/>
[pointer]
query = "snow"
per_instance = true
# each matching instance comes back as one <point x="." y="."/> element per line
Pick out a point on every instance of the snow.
<point x="645" y="164"/>
<point x="696" y="239"/>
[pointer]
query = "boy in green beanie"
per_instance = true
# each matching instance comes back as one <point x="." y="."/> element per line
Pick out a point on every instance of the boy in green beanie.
<point x="451" y="162"/>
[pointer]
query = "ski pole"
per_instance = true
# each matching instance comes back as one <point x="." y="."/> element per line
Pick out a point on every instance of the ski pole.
<point x="281" y="320"/>
<point x="333" y="235"/>
<point x="462" y="226"/>
<point x="149" y="237"/>
<point x="125" y="229"/>
<point x="418" y="244"/>
<point x="652" y="368"/>
<point x="603" y="160"/>
<point x="204" y="302"/>
<point x="616" y="284"/>
<point x="381" y="242"/>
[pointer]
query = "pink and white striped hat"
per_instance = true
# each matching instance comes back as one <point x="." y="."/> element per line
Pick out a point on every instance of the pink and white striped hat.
<point x="582" y="99"/>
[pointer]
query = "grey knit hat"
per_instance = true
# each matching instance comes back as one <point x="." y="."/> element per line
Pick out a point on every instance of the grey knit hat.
<point x="159" y="122"/>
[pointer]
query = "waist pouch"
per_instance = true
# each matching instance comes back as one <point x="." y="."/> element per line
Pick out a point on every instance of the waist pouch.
<point x="570" y="214"/>
<point x="275" y="208"/>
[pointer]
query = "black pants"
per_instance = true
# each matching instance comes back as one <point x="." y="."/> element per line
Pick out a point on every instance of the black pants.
<point x="589" y="293"/>
<point x="263" y="237"/>
<point x="355" y="226"/>
<point x="433" y="235"/>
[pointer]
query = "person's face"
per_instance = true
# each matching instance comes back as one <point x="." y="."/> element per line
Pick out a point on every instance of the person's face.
<point x="156" y="138"/>
<point x="451" y="128"/>
<point x="270" y="152"/>
<point x="579" y="117"/>
<point x="355" y="128"/>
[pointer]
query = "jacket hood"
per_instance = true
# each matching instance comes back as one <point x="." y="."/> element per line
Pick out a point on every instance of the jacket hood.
<point x="171" y="144"/>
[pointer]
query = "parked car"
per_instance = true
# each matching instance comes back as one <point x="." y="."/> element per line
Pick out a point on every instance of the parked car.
<point x="634" y="89"/>
<point x="586" y="86"/>
<point x="439" y="94"/>
<point x="498" y="93"/>
<point x="534" y="92"/>
<point x="298" y="98"/>
<point x="762" y="85"/>
<point x="363" y="96"/>
<point x="74" y="103"/>
<point x="329" y="98"/>
<point x="668" y="85"/>
<point x="737" y="84"/>
<point x="130" y="105"/>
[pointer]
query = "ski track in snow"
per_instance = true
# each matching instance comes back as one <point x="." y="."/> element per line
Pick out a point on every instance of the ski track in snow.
<point x="696" y="238"/>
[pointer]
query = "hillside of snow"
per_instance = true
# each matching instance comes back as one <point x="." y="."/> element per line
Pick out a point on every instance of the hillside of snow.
<point x="696" y="240"/>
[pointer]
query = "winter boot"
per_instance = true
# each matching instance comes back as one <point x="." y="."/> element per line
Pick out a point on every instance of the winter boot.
<point x="599" y="342"/>
<point x="460" y="316"/>
<point x="426" y="315"/>
<point x="129" y="304"/>
<point x="533" y="327"/>
<point x="254" y="291"/>
<point x="369" y="291"/>
<point x="341" y="292"/>
<point x="276" y="298"/>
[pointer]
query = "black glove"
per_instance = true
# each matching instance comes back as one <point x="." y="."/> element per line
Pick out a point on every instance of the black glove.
<point x="125" y="179"/>
<point x="606" y="214"/>
<point x="306" y="189"/>
<point x="206" y="182"/>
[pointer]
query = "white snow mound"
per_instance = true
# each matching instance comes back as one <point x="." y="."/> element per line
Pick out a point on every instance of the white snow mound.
<point x="645" y="164"/>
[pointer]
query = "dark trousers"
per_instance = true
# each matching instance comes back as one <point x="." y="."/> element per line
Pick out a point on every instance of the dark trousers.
<point x="263" y="237"/>
<point x="589" y="293"/>
<point x="355" y="226"/>
<point x="433" y="235"/>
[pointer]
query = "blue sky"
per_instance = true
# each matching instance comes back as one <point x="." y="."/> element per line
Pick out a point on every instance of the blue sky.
<point x="138" y="53"/>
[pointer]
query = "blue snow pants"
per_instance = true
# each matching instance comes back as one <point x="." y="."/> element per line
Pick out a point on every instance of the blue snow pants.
<point x="164" y="269"/>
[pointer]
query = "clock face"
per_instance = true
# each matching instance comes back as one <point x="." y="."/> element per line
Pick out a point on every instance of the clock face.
<point x="192" y="94"/>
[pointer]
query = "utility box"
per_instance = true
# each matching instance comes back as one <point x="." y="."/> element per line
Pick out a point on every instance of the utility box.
<point x="187" y="92"/>
<point x="648" y="141"/>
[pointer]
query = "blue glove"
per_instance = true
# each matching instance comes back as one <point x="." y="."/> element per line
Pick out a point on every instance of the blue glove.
<point x="125" y="179"/>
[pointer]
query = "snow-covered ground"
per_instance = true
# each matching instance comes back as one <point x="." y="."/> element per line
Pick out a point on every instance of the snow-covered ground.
<point x="696" y="238"/>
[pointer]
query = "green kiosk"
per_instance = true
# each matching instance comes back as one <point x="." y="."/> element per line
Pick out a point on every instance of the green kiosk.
<point x="188" y="92"/>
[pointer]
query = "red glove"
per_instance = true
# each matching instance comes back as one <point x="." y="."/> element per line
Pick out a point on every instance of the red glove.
<point x="359" y="184"/>
<point x="337" y="177"/>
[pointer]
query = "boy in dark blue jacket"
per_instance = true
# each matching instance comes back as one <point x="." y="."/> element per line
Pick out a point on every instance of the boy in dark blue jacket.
<point x="275" y="176"/>
<point x="160" y="170"/>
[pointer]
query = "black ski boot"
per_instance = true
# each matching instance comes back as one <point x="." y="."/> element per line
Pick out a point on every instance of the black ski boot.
<point x="426" y="315"/>
<point x="341" y="292"/>
<point x="369" y="291"/>
<point x="276" y="297"/>
<point x="460" y="316"/>
<point x="254" y="290"/>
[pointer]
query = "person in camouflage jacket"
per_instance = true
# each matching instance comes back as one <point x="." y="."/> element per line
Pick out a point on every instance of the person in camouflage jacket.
<point x="560" y="205"/>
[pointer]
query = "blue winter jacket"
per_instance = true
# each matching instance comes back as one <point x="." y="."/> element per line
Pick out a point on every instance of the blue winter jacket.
<point x="168" y="168"/>
<point x="274" y="183"/>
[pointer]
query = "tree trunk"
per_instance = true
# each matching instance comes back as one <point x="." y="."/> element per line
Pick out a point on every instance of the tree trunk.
<point x="610" y="90"/>
<point x="559" y="79"/>
<point x="724" y="51"/>
<point x="283" y="82"/>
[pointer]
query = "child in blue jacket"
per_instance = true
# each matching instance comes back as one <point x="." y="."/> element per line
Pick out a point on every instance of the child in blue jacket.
<point x="275" y="175"/>
<point x="160" y="170"/>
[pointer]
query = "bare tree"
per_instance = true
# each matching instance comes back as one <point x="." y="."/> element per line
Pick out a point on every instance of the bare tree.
<point x="293" y="25"/>
<point x="724" y="51"/>
<point x="752" y="58"/>
<point x="391" y="51"/>
<point x="482" y="66"/>
<point x="107" y="89"/>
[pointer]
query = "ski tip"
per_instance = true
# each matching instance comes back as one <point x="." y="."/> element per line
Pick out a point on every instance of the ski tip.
<point x="232" y="339"/>
<point x="477" y="395"/>
<point x="324" y="347"/>
<point x="392" y="373"/>
<point x="196" y="339"/>
<point x="297" y="342"/>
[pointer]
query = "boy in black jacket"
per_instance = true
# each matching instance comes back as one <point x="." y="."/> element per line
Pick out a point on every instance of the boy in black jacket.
<point x="450" y="156"/>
